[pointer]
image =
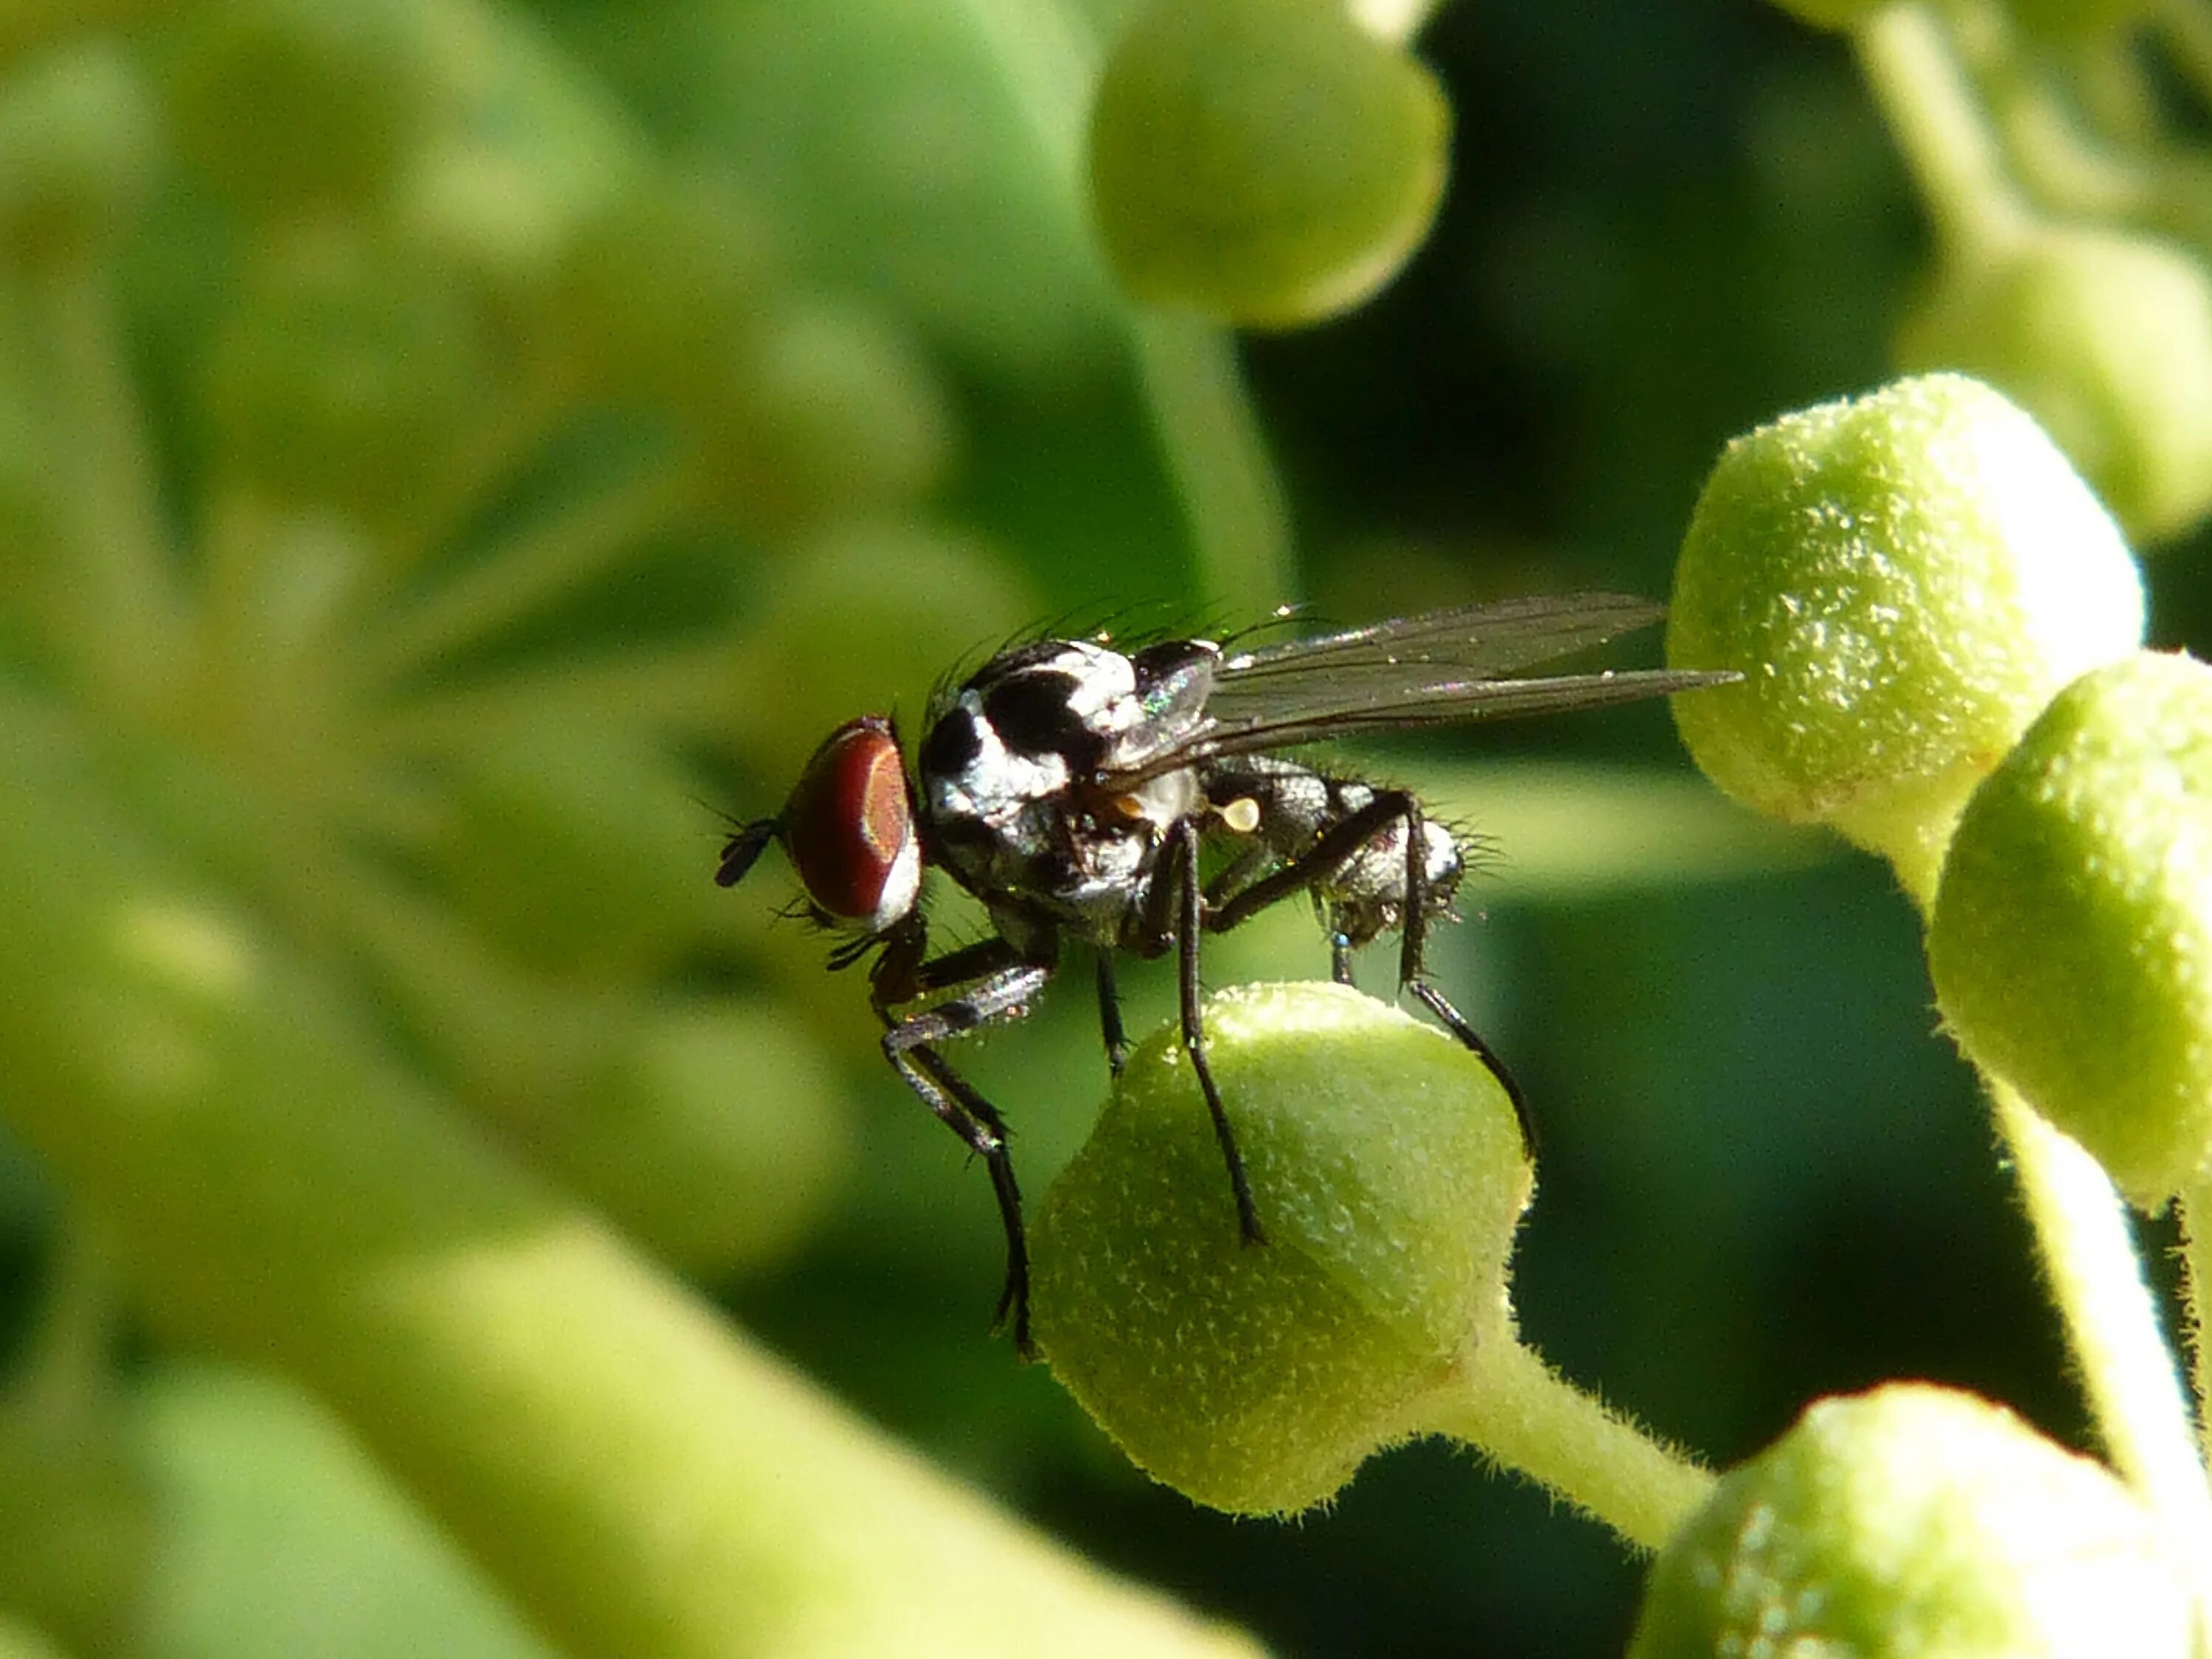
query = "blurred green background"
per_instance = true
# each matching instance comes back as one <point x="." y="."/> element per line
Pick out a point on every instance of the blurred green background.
<point x="451" y="454"/>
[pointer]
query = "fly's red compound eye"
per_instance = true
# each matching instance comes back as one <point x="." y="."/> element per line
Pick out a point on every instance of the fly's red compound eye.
<point x="849" y="826"/>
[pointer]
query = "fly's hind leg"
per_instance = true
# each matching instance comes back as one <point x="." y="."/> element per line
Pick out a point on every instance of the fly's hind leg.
<point x="1455" y="1023"/>
<point x="1413" y="972"/>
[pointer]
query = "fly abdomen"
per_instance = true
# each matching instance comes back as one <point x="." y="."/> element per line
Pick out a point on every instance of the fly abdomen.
<point x="1289" y="811"/>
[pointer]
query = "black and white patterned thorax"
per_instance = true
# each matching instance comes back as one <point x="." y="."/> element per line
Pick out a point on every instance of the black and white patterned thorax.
<point x="1039" y="792"/>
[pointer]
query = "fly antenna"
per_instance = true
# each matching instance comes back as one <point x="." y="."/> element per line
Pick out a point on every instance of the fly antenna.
<point x="743" y="849"/>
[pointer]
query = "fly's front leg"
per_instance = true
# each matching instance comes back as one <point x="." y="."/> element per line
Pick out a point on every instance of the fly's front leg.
<point x="1001" y="988"/>
<point x="1192" y="924"/>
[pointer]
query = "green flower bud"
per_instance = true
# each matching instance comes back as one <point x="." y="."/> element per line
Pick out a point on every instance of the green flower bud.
<point x="1916" y="1522"/>
<point x="2105" y="338"/>
<point x="78" y="140"/>
<point x="2071" y="945"/>
<point x="1904" y="579"/>
<point x="875" y="609"/>
<point x="1389" y="1172"/>
<point x="1268" y="163"/>
<point x="346" y="383"/>
<point x="294" y="104"/>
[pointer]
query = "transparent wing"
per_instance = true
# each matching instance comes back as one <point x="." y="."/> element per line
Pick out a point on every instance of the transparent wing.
<point x="1472" y="642"/>
<point x="1440" y="668"/>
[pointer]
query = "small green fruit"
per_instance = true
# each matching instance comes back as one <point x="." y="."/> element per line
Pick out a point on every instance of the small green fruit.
<point x="79" y="139"/>
<point x="292" y="105"/>
<point x="1903" y="579"/>
<point x="1917" y="1522"/>
<point x="1387" y="1168"/>
<point x="2072" y="939"/>
<point x="1267" y="162"/>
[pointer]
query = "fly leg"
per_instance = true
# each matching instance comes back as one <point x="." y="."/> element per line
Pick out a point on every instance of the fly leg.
<point x="1110" y="1016"/>
<point x="1177" y="908"/>
<point x="1191" y="922"/>
<point x="994" y="984"/>
<point x="1455" y="1023"/>
<point x="1315" y="868"/>
<point x="1413" y="974"/>
<point x="1332" y="849"/>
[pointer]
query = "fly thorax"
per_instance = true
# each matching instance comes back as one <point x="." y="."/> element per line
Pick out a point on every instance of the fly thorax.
<point x="1012" y="764"/>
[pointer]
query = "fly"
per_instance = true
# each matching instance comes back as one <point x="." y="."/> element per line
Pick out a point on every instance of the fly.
<point x="1079" y="793"/>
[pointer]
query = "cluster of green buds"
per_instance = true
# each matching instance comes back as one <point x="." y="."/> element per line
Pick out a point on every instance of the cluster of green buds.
<point x="1939" y="630"/>
<point x="2071" y="224"/>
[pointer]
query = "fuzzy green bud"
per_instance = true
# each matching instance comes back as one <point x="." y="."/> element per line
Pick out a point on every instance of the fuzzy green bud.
<point x="654" y="289"/>
<point x="1388" y="1169"/>
<point x="718" y="1138"/>
<point x="2071" y="945"/>
<point x="1903" y="579"/>
<point x="825" y="410"/>
<point x="2106" y="338"/>
<point x="1268" y="163"/>
<point x="1917" y="1522"/>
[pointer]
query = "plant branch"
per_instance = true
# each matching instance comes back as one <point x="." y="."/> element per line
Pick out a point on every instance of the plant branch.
<point x="1507" y="1405"/>
<point x="1940" y="127"/>
<point x="2087" y="1250"/>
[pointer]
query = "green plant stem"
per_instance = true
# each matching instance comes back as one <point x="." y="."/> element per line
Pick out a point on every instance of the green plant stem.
<point x="1239" y="523"/>
<point x="1507" y="1404"/>
<point x="644" y="1483"/>
<point x="2086" y="1245"/>
<point x="1941" y="129"/>
<point x="2196" y="1202"/>
<point x="2089" y="1260"/>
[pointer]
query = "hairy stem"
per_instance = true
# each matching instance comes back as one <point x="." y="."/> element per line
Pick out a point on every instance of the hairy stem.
<point x="2089" y="1260"/>
<point x="1507" y="1405"/>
